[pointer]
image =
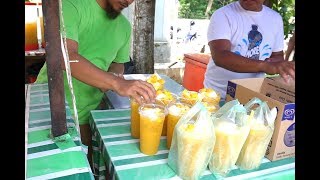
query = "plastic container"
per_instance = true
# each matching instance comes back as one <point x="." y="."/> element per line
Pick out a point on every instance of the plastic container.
<point x="31" y="39"/>
<point x="195" y="68"/>
<point x="151" y="123"/>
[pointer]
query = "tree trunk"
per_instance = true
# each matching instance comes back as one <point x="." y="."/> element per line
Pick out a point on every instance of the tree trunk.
<point x="143" y="36"/>
<point x="54" y="59"/>
<point x="208" y="8"/>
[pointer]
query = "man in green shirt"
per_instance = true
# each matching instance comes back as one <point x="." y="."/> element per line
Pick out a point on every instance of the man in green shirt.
<point x="98" y="36"/>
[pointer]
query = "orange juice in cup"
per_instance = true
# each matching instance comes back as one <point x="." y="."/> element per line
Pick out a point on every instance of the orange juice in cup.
<point x="135" y="119"/>
<point x="210" y="95"/>
<point x="151" y="123"/>
<point x="164" y="97"/>
<point x="175" y="111"/>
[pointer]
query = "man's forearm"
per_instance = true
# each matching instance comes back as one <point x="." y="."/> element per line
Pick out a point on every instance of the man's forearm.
<point x="237" y="63"/>
<point x="117" y="68"/>
<point x="88" y="73"/>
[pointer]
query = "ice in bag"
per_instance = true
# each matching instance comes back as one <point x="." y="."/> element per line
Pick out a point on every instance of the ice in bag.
<point x="232" y="126"/>
<point x="261" y="131"/>
<point x="192" y="143"/>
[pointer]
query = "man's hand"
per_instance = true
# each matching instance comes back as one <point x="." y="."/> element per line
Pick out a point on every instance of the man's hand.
<point x="286" y="69"/>
<point x="141" y="91"/>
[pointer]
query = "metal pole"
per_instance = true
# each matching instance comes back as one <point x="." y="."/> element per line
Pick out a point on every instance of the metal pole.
<point x="54" y="59"/>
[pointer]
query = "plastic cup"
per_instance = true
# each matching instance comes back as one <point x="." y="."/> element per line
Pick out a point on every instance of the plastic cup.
<point x="175" y="111"/>
<point x="152" y="117"/>
<point x="165" y="102"/>
<point x="135" y="119"/>
<point x="211" y="107"/>
<point x="189" y="97"/>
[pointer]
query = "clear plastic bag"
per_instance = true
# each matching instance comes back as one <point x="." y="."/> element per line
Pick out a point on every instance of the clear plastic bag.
<point x="261" y="131"/>
<point x="232" y="126"/>
<point x="192" y="143"/>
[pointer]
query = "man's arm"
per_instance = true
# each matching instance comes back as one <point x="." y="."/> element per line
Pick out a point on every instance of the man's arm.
<point x="88" y="73"/>
<point x="223" y="57"/>
<point x="117" y="68"/>
<point x="290" y="48"/>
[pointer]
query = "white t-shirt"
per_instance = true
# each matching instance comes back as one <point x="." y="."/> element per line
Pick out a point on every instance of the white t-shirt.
<point x="252" y="34"/>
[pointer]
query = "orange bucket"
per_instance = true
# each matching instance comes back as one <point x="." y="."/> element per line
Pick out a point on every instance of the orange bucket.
<point x="195" y="68"/>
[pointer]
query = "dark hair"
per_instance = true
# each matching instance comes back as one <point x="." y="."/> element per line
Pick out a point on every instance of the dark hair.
<point x="192" y="23"/>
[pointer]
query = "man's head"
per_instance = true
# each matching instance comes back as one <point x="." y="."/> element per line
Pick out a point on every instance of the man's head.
<point x="114" y="7"/>
<point x="252" y="5"/>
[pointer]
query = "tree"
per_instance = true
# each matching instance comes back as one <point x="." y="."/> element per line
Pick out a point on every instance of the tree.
<point x="143" y="36"/>
<point x="286" y="8"/>
<point x="208" y="8"/>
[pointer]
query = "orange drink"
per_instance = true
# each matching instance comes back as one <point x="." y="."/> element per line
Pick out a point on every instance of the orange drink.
<point x="151" y="123"/>
<point x="135" y="119"/>
<point x="30" y="36"/>
<point x="164" y="97"/>
<point x="175" y="111"/>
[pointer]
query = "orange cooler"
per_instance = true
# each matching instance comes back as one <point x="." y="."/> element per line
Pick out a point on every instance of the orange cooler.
<point x="195" y="68"/>
<point x="135" y="119"/>
<point x="151" y="123"/>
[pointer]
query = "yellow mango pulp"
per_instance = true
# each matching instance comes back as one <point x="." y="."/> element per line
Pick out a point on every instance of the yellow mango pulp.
<point x="156" y="81"/>
<point x="192" y="151"/>
<point x="229" y="141"/>
<point x="255" y="147"/>
<point x="150" y="131"/>
<point x="210" y="95"/>
<point x="189" y="97"/>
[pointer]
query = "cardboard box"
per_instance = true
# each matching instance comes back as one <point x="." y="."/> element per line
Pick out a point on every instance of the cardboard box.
<point x="277" y="89"/>
<point x="282" y="144"/>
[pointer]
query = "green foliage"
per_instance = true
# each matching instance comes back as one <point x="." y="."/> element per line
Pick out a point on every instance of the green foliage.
<point x="195" y="9"/>
<point x="192" y="9"/>
<point x="286" y="8"/>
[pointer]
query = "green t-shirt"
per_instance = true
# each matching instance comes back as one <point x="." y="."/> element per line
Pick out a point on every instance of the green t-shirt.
<point x="100" y="40"/>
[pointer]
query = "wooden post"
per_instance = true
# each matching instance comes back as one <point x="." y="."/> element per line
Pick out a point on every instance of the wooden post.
<point x="143" y="36"/>
<point x="54" y="59"/>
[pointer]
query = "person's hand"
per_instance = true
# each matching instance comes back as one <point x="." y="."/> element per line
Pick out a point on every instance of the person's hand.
<point x="141" y="91"/>
<point x="286" y="69"/>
